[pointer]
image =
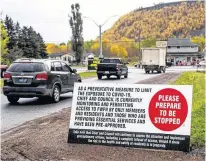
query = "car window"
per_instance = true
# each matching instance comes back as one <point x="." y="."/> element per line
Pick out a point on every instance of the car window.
<point x="58" y="66"/>
<point x="26" y="67"/>
<point x="65" y="67"/>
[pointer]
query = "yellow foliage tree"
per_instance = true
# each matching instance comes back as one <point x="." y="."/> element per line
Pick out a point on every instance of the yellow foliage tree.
<point x="200" y="40"/>
<point x="63" y="49"/>
<point x="118" y="51"/>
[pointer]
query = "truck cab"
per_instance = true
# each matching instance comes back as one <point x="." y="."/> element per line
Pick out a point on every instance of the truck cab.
<point x="112" y="66"/>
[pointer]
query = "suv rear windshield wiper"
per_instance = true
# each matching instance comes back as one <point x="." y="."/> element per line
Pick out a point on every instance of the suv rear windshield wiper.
<point x="26" y="71"/>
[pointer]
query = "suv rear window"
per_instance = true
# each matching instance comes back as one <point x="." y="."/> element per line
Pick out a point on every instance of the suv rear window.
<point x="26" y="67"/>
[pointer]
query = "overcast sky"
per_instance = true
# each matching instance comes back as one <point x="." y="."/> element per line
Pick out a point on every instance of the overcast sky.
<point x="50" y="17"/>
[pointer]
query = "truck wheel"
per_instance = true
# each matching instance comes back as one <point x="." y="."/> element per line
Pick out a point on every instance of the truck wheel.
<point x="99" y="76"/>
<point x="164" y="69"/>
<point x="56" y="94"/>
<point x="159" y="71"/>
<point x="118" y="76"/>
<point x="108" y="76"/>
<point x="12" y="99"/>
<point x="147" y="71"/>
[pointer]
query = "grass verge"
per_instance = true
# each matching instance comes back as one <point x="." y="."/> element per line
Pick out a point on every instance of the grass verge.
<point x="1" y="83"/>
<point x="198" y="105"/>
<point x="88" y="74"/>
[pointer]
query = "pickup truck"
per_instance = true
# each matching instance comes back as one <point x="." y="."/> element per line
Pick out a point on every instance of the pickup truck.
<point x="112" y="66"/>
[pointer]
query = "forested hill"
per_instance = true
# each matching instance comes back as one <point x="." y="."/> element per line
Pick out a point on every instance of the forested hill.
<point x="177" y="19"/>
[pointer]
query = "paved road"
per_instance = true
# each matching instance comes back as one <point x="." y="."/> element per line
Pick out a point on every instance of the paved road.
<point x="28" y="109"/>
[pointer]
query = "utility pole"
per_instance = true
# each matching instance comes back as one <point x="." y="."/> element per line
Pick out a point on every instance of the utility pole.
<point x="100" y="34"/>
<point x="100" y="39"/>
<point x="139" y="43"/>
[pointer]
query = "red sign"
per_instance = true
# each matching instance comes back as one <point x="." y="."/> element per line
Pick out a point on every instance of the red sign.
<point x="168" y="109"/>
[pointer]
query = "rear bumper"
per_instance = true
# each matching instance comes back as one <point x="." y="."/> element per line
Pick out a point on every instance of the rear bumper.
<point x="108" y="72"/>
<point x="27" y="92"/>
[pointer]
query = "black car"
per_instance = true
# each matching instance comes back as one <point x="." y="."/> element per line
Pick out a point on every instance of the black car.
<point x="112" y="66"/>
<point x="26" y="78"/>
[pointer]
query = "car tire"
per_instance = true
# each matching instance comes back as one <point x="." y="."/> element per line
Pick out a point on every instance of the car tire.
<point x="99" y="76"/>
<point x="118" y="76"/>
<point x="126" y="76"/>
<point x="56" y="94"/>
<point x="108" y="76"/>
<point x="13" y="99"/>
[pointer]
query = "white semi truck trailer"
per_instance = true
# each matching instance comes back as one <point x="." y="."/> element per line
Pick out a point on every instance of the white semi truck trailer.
<point x="154" y="59"/>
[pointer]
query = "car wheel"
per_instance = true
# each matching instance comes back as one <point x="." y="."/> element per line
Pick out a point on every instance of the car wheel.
<point x="126" y="76"/>
<point x="13" y="99"/>
<point x="99" y="76"/>
<point x="108" y="76"/>
<point x="118" y="76"/>
<point x="56" y="94"/>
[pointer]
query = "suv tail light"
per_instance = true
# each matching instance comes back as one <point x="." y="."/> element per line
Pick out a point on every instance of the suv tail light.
<point x="7" y="76"/>
<point x="42" y="76"/>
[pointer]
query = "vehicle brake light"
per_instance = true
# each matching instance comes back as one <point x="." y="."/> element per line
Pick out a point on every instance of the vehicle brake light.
<point x="7" y="76"/>
<point x="42" y="76"/>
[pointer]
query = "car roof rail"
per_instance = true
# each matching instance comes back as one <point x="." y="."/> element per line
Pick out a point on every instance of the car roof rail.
<point x="28" y="59"/>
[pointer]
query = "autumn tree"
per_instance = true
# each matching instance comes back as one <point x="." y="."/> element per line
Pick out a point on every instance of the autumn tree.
<point x="149" y="42"/>
<point x="76" y="24"/>
<point x="162" y="22"/>
<point x="200" y="40"/>
<point x="4" y="42"/>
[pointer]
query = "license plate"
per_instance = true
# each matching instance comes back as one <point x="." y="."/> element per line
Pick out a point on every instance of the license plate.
<point x="22" y="80"/>
<point x="106" y="72"/>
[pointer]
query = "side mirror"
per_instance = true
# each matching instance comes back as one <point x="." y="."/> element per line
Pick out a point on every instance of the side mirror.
<point x="74" y="70"/>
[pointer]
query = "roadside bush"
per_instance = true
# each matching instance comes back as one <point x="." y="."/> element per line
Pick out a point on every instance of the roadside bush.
<point x="198" y="105"/>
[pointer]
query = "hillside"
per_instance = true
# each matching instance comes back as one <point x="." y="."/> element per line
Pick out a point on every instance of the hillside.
<point x="177" y="19"/>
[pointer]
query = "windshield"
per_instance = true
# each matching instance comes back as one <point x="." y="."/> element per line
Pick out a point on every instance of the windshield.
<point x="26" y="67"/>
<point x="111" y="61"/>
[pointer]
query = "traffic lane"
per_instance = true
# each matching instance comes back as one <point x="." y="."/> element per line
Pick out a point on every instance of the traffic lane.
<point x="134" y="75"/>
<point x="29" y="108"/>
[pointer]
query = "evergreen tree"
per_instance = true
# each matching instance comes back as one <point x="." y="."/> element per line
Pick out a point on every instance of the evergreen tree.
<point x="17" y="32"/>
<point x="13" y="54"/>
<point x="24" y="42"/>
<point x="10" y="27"/>
<point x="43" y="53"/>
<point x="77" y="29"/>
